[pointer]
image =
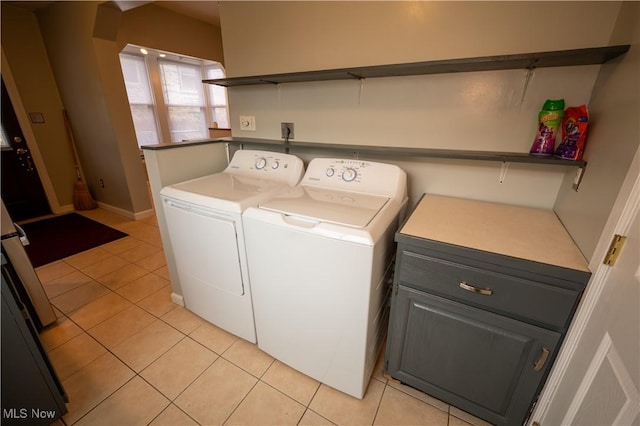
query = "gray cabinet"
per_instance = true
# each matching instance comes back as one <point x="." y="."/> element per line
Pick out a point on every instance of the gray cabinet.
<point x="470" y="324"/>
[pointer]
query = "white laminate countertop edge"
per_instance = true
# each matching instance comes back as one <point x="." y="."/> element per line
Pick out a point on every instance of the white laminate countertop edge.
<point x="521" y="232"/>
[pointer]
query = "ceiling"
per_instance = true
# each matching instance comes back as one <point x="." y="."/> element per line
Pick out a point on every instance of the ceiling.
<point x="202" y="10"/>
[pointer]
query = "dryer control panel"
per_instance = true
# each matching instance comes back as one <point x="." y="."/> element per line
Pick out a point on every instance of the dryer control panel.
<point x="269" y="165"/>
<point x="357" y="175"/>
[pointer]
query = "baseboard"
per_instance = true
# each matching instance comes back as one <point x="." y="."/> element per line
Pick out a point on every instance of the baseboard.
<point x="177" y="299"/>
<point x="68" y="208"/>
<point x="144" y="214"/>
<point x="126" y="213"/>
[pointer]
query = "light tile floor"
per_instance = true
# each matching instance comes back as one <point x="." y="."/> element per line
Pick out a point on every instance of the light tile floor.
<point x="127" y="355"/>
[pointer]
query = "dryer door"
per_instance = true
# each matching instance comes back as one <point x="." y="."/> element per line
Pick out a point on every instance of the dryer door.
<point x="205" y="247"/>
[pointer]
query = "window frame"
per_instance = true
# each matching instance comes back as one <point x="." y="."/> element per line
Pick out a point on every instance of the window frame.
<point x="226" y="122"/>
<point x="170" y="100"/>
<point x="152" y="105"/>
<point x="152" y="62"/>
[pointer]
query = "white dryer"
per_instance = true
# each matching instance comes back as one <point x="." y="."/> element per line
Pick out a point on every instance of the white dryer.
<point x="204" y="220"/>
<point x="320" y="259"/>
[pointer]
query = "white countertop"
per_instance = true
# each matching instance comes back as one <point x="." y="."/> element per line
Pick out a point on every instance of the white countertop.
<point x="521" y="232"/>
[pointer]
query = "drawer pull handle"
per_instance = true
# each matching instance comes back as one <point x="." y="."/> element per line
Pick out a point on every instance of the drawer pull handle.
<point x="486" y="291"/>
<point x="542" y="360"/>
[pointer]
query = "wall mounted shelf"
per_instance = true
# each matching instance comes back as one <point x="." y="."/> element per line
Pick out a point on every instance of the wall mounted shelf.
<point x="573" y="57"/>
<point x="386" y="151"/>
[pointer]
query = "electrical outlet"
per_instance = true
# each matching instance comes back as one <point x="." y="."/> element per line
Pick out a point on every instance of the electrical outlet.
<point x="248" y="123"/>
<point x="101" y="183"/>
<point x="286" y="131"/>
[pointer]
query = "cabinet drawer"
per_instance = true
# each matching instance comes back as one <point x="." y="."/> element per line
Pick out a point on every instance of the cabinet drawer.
<point x="519" y="298"/>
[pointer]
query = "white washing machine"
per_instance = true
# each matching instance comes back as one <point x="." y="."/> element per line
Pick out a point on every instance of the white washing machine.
<point x="204" y="220"/>
<point x="320" y="257"/>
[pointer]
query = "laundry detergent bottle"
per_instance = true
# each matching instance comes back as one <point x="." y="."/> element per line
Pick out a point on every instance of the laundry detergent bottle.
<point x="549" y="119"/>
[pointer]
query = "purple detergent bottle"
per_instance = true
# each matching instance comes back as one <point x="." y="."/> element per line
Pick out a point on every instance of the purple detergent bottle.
<point x="549" y="119"/>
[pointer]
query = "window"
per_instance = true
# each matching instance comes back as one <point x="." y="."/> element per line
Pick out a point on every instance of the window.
<point x="168" y="100"/>
<point x="218" y="97"/>
<point x="184" y="98"/>
<point x="141" y="101"/>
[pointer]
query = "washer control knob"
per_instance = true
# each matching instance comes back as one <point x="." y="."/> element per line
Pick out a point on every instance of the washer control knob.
<point x="261" y="163"/>
<point x="349" y="174"/>
<point x="330" y="172"/>
<point x="275" y="164"/>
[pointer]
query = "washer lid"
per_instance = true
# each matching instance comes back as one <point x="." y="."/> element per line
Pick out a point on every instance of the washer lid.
<point x="327" y="205"/>
<point x="223" y="191"/>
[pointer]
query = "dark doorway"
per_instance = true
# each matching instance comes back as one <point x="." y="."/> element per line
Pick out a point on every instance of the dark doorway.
<point x="22" y="190"/>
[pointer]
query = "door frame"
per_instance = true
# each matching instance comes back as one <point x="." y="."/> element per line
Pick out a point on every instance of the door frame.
<point x="619" y="222"/>
<point x="30" y="138"/>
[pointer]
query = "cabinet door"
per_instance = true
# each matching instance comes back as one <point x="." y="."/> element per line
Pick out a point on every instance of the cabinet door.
<point x="483" y="363"/>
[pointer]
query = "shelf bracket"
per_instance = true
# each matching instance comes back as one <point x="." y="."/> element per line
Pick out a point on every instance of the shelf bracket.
<point x="504" y="170"/>
<point x="530" y="70"/>
<point x="578" y="179"/>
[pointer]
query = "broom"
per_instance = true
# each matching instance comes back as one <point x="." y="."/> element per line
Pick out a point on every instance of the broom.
<point x="81" y="197"/>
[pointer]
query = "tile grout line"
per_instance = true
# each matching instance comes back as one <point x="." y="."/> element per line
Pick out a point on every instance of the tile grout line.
<point x="187" y="335"/>
<point x="86" y="331"/>
<point x="135" y="373"/>
<point x="384" y="390"/>
<point x="171" y="401"/>
<point x="94" y="360"/>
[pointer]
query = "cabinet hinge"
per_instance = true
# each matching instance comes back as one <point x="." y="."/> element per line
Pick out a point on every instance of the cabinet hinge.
<point x="614" y="250"/>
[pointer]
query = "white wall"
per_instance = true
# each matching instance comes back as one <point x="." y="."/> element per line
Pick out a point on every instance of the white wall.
<point x="83" y="78"/>
<point x="263" y="37"/>
<point x="493" y="111"/>
<point x="613" y="138"/>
